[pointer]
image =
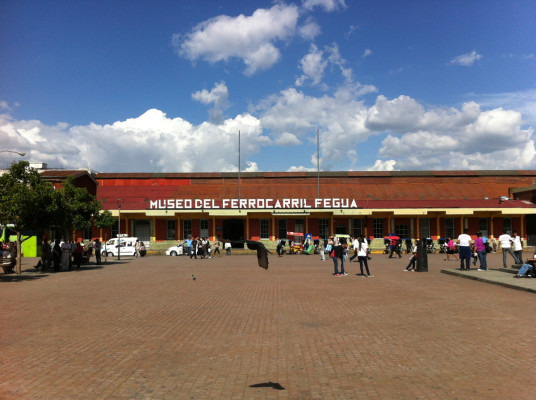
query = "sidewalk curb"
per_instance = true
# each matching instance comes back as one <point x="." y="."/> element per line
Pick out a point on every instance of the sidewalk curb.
<point x="481" y="279"/>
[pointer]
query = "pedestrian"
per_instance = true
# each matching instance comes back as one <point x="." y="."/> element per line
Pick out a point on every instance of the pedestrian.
<point x="65" y="256"/>
<point x="413" y="258"/>
<point x="505" y="241"/>
<point x="189" y="247"/>
<point x="228" y="248"/>
<point x="362" y="256"/>
<point x="322" y="249"/>
<point x="336" y="255"/>
<point x="78" y="254"/>
<point x="137" y="247"/>
<point x="208" y="248"/>
<point x="395" y="248"/>
<point x="451" y="249"/>
<point x="518" y="247"/>
<point x="216" y="247"/>
<point x="464" y="243"/>
<point x="480" y="249"/>
<point x="98" y="246"/>
<point x="45" y="255"/>
<point x="279" y="247"/>
<point x="354" y="246"/>
<point x="57" y="254"/>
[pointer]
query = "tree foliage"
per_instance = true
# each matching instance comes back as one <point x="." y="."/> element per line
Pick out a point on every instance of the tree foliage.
<point x="29" y="203"/>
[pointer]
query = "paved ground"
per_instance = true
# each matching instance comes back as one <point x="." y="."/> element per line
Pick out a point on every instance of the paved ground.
<point x="143" y="329"/>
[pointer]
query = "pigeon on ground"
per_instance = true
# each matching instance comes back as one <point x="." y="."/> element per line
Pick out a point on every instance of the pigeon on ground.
<point x="193" y="277"/>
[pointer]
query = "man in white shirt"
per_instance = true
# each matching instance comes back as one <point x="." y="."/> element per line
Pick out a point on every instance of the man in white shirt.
<point x="518" y="247"/>
<point x="505" y="241"/>
<point x="464" y="246"/>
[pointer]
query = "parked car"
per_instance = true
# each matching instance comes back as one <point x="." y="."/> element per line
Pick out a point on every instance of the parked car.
<point x="178" y="250"/>
<point x="128" y="246"/>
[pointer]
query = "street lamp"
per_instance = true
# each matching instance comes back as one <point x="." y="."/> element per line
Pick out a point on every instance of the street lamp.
<point x="119" y="229"/>
<point x="14" y="152"/>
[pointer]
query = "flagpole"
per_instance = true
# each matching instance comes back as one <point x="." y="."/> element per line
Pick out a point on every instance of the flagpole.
<point x="318" y="161"/>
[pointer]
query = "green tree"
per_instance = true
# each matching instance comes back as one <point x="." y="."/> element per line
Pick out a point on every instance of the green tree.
<point x="26" y="202"/>
<point x="75" y="208"/>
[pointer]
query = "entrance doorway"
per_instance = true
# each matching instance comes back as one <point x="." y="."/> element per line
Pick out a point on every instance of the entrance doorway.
<point x="233" y="230"/>
<point x="531" y="230"/>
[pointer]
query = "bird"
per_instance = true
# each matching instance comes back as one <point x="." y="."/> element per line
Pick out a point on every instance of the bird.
<point x="262" y="251"/>
<point x="193" y="277"/>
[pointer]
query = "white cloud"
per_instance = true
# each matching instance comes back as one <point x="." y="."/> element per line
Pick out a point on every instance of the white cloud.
<point x="366" y="53"/>
<point x="310" y="30"/>
<point x="467" y="59"/>
<point x="249" y="38"/>
<point x="218" y="96"/>
<point x="379" y="165"/>
<point x="150" y="142"/>
<point x="314" y="65"/>
<point x="287" y="139"/>
<point x="327" y="5"/>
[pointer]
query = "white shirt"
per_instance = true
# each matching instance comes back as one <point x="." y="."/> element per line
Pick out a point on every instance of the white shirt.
<point x="363" y="249"/>
<point x="505" y="239"/>
<point x="517" y="243"/>
<point x="464" y="239"/>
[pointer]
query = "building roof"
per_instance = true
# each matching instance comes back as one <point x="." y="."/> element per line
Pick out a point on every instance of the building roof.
<point x="377" y="190"/>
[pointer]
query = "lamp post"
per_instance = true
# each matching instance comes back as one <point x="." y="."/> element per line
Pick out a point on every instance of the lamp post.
<point x="119" y="229"/>
<point x="14" y="152"/>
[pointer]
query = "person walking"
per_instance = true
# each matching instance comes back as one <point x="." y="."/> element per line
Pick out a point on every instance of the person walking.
<point x="216" y="247"/>
<point x="480" y="249"/>
<point x="137" y="247"/>
<point x="464" y="242"/>
<point x="413" y="258"/>
<point x="189" y="247"/>
<point x="451" y="249"/>
<point x="518" y="247"/>
<point x="362" y="256"/>
<point x="322" y="249"/>
<point x="505" y="241"/>
<point x="337" y="255"/>
<point x="97" y="248"/>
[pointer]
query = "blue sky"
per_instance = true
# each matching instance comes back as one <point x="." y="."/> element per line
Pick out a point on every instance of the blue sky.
<point x="165" y="86"/>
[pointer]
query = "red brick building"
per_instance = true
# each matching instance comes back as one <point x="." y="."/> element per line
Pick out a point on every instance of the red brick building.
<point x="161" y="208"/>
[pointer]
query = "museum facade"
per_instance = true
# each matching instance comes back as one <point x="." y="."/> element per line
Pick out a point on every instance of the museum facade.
<point x="162" y="208"/>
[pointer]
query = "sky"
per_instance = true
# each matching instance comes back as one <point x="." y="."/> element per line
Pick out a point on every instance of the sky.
<point x="175" y="86"/>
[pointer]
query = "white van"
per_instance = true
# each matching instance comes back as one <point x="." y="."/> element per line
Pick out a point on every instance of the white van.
<point x="128" y="246"/>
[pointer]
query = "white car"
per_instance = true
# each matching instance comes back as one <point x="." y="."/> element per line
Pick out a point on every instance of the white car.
<point x="177" y="250"/>
<point x="128" y="247"/>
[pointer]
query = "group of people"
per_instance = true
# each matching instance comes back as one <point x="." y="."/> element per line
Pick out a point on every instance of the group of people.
<point x="199" y="246"/>
<point x="63" y="256"/>
<point x="481" y="246"/>
<point x="338" y="250"/>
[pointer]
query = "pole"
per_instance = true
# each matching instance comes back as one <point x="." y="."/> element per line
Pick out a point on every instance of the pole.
<point x="318" y="161"/>
<point x="238" y="169"/>
<point x="119" y="235"/>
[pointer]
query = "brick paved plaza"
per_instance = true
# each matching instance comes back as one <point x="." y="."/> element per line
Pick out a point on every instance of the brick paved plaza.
<point x="143" y="329"/>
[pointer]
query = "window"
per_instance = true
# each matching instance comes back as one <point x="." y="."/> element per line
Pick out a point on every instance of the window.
<point x="187" y="228"/>
<point x="402" y="231"/>
<point x="378" y="227"/>
<point x="357" y="227"/>
<point x="483" y="226"/>
<point x="203" y="228"/>
<point x="265" y="229"/>
<point x="299" y="225"/>
<point x="115" y="229"/>
<point x="170" y="230"/>
<point x="425" y="228"/>
<point x="449" y="228"/>
<point x="507" y="224"/>
<point x="88" y="234"/>
<point x="282" y="231"/>
<point x="340" y="229"/>
<point x="323" y="225"/>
